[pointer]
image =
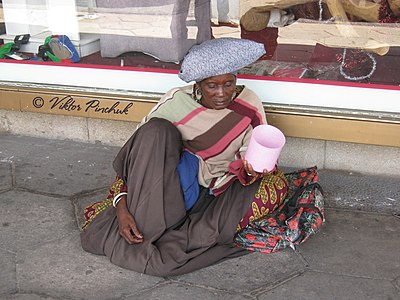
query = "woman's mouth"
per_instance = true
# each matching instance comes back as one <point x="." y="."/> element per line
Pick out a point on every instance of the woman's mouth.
<point x="220" y="102"/>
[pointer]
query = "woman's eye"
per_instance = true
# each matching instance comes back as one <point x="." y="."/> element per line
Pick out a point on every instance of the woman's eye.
<point x="211" y="86"/>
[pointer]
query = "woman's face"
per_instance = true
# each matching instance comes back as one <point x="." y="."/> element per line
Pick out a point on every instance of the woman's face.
<point x="217" y="91"/>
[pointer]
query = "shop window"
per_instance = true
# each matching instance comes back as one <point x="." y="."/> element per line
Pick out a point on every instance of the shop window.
<point x="339" y="41"/>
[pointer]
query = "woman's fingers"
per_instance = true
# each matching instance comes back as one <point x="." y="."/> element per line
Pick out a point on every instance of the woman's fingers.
<point x="133" y="228"/>
<point x="265" y="172"/>
<point x="126" y="234"/>
<point x="249" y="168"/>
<point x="135" y="231"/>
<point x="127" y="228"/>
<point x="130" y="237"/>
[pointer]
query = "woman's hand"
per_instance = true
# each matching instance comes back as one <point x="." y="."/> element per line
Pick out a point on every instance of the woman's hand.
<point x="250" y="171"/>
<point x="248" y="168"/>
<point x="126" y="224"/>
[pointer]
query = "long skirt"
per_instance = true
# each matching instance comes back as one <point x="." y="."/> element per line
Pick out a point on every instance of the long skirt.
<point x="175" y="241"/>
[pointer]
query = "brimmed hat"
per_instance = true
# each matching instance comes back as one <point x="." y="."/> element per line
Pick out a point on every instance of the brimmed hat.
<point x="219" y="56"/>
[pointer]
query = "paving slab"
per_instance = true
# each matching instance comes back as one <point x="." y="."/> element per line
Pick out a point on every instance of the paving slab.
<point x="185" y="292"/>
<point x="396" y="282"/>
<point x="355" y="255"/>
<point x="61" y="269"/>
<point x="362" y="192"/>
<point x="316" y="286"/>
<point x="5" y="175"/>
<point x="28" y="297"/>
<point x="56" y="167"/>
<point x="30" y="220"/>
<point x="355" y="243"/>
<point x="250" y="272"/>
<point x="8" y="274"/>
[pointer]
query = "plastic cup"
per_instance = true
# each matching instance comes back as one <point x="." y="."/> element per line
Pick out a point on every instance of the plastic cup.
<point x="265" y="146"/>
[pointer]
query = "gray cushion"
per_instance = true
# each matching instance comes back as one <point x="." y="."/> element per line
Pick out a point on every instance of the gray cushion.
<point x="219" y="56"/>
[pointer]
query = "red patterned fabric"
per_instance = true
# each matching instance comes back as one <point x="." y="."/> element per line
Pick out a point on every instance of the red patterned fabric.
<point x="91" y="211"/>
<point x="386" y="15"/>
<point x="300" y="216"/>
<point x="270" y="194"/>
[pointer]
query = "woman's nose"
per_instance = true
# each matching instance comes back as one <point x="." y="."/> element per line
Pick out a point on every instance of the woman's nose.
<point x="220" y="91"/>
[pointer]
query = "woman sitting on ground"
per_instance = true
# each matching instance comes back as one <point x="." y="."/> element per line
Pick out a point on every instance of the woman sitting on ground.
<point x="183" y="189"/>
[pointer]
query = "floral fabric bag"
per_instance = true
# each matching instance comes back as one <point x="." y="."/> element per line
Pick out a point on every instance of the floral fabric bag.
<point x="298" y="217"/>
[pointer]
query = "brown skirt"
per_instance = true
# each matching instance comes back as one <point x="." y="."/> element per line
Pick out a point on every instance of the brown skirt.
<point x="175" y="241"/>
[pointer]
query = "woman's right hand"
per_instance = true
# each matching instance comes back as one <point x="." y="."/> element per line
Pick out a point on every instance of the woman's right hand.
<point x="248" y="168"/>
<point x="126" y="224"/>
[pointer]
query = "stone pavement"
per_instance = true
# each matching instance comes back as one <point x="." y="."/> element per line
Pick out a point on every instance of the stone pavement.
<point x="44" y="184"/>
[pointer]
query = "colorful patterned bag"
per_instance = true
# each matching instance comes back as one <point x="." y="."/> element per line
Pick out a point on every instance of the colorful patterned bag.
<point x="58" y="48"/>
<point x="300" y="216"/>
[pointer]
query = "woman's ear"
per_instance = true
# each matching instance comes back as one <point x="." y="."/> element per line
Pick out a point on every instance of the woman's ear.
<point x="197" y="88"/>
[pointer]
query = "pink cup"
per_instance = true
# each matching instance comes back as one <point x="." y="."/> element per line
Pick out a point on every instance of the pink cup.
<point x="265" y="146"/>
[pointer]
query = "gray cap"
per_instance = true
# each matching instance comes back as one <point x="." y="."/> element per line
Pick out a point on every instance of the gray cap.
<point x="219" y="56"/>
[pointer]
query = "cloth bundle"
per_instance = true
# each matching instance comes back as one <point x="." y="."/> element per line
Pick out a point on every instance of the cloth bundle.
<point x="300" y="216"/>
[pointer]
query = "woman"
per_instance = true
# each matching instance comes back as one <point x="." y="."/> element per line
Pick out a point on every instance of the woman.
<point x="182" y="188"/>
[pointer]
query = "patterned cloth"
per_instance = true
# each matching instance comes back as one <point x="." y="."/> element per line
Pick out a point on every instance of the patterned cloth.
<point x="270" y="194"/>
<point x="91" y="211"/>
<point x="300" y="216"/>
<point x="216" y="137"/>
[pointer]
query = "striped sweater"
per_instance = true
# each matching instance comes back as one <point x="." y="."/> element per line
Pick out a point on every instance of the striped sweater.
<point x="216" y="137"/>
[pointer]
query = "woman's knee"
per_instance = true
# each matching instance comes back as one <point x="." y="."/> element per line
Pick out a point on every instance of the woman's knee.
<point x="159" y="125"/>
<point x="157" y="128"/>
